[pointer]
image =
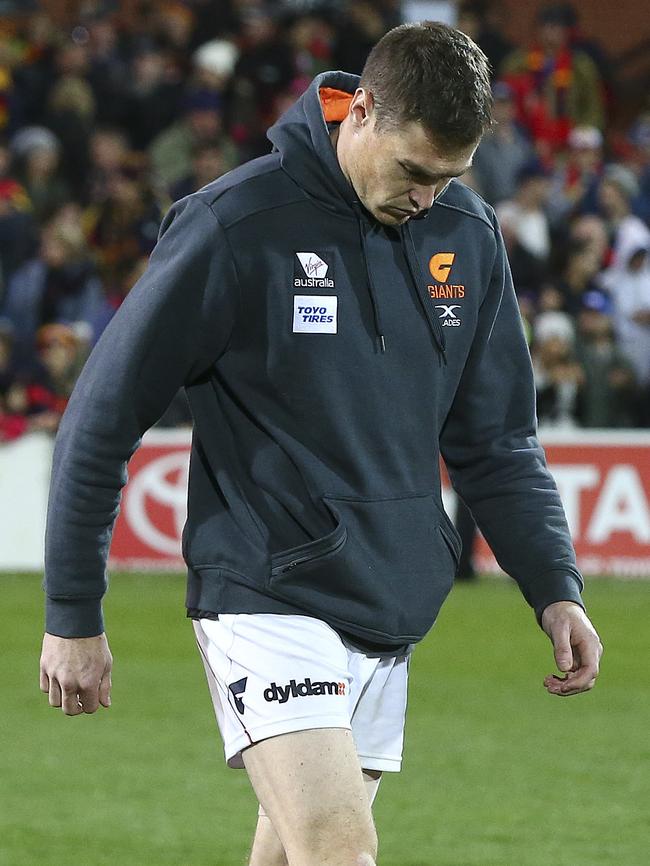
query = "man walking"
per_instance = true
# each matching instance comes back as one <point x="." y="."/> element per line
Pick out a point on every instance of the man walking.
<point x="340" y="312"/>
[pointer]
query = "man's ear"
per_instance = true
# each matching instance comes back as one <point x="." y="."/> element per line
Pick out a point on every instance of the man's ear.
<point x="362" y="107"/>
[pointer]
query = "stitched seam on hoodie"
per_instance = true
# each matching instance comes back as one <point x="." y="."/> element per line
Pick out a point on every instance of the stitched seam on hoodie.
<point x="263" y="206"/>
<point x="468" y="213"/>
<point x="240" y="300"/>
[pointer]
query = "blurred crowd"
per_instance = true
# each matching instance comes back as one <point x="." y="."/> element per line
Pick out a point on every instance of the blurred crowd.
<point x="111" y="114"/>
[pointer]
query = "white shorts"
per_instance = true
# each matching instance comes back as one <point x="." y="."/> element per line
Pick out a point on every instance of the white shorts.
<point x="273" y="674"/>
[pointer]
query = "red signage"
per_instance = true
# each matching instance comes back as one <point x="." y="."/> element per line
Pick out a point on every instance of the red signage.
<point x="603" y="479"/>
<point x="154" y="504"/>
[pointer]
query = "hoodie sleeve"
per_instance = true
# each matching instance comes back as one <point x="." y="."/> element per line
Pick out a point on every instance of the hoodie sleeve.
<point x="495" y="461"/>
<point x="172" y="326"/>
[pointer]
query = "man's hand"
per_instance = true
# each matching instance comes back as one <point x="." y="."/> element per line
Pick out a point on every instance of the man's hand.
<point x="76" y="672"/>
<point x="577" y="648"/>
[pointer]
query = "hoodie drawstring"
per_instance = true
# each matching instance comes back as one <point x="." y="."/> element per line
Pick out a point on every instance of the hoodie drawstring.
<point x="418" y="278"/>
<point x="371" y="289"/>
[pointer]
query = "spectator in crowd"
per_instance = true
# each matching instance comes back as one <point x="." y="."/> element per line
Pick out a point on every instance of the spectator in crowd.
<point x="628" y="282"/>
<point x="591" y="231"/>
<point x="213" y="69"/>
<point x="60" y="285"/>
<point x="124" y="226"/>
<point x="504" y="150"/>
<point x="208" y="163"/>
<point x="608" y="391"/>
<point x="551" y="321"/>
<point x="71" y="112"/>
<point x="558" y="375"/>
<point x="37" y="153"/>
<point x="18" y="230"/>
<point x="578" y="275"/>
<point x="577" y="178"/>
<point x="110" y="111"/>
<point x="37" y="401"/>
<point x="32" y="70"/>
<point x="109" y="152"/>
<point x="174" y="27"/>
<point x="265" y="63"/>
<point x="526" y="228"/>
<point x="311" y="39"/>
<point x="172" y="151"/>
<point x="152" y="97"/>
<point x="483" y="21"/>
<point x="593" y="48"/>
<point x="11" y="426"/>
<point x="108" y="67"/>
<point x="627" y="232"/>
<point x="639" y="161"/>
<point x="214" y="65"/>
<point x="12" y="422"/>
<point x="557" y="85"/>
<point x="264" y="69"/>
<point x="359" y="26"/>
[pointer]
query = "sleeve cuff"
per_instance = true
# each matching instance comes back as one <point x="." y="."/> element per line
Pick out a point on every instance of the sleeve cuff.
<point x="552" y="587"/>
<point x="78" y="617"/>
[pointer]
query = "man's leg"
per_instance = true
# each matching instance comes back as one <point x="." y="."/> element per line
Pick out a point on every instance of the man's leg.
<point x="267" y="848"/>
<point x="312" y="789"/>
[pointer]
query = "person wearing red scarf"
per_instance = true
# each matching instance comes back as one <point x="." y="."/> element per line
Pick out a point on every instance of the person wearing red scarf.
<point x="557" y="87"/>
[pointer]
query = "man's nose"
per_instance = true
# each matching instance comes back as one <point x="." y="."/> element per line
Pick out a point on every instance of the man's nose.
<point x="422" y="197"/>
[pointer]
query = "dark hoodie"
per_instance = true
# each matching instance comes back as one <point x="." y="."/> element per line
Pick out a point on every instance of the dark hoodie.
<point x="328" y="361"/>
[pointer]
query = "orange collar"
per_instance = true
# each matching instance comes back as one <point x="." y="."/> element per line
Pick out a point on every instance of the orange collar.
<point x="335" y="103"/>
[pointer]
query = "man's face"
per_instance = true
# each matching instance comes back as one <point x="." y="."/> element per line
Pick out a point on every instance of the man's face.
<point x="397" y="173"/>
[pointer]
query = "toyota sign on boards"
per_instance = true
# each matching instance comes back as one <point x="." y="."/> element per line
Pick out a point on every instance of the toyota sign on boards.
<point x="603" y="478"/>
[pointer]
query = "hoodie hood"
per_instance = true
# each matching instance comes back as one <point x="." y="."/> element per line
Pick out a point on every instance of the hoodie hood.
<point x="302" y="132"/>
<point x="302" y="138"/>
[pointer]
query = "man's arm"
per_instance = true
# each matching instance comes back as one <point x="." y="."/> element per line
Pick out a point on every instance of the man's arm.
<point x="173" y="325"/>
<point x="76" y="673"/>
<point x="577" y="649"/>
<point x="498" y="467"/>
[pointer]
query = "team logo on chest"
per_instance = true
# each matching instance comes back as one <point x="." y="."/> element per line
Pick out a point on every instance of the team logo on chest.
<point x="314" y="314"/>
<point x="440" y="266"/>
<point x="313" y="271"/>
<point x="448" y="315"/>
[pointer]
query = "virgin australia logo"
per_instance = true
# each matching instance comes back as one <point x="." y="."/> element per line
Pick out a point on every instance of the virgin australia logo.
<point x="312" y="271"/>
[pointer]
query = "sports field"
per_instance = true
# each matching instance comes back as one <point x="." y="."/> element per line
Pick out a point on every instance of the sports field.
<point x="496" y="772"/>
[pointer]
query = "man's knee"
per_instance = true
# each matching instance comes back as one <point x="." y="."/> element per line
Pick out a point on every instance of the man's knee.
<point x="317" y="802"/>
<point x="267" y="848"/>
<point x="335" y="837"/>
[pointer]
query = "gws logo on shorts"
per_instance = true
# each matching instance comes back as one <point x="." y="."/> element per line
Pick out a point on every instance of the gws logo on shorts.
<point x="302" y="690"/>
<point x="312" y="271"/>
<point x="314" y="314"/>
<point x="449" y="317"/>
<point x="237" y="689"/>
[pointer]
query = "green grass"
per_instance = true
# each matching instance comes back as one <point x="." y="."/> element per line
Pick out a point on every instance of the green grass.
<point x="496" y="772"/>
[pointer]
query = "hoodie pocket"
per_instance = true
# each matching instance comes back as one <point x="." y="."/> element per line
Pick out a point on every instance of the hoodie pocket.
<point x="382" y="573"/>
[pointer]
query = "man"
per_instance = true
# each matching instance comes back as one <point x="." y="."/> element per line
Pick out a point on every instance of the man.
<point x="334" y="310"/>
<point x="557" y="84"/>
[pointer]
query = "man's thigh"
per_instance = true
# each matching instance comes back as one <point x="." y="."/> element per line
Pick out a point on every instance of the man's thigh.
<point x="272" y="675"/>
<point x="311" y="786"/>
